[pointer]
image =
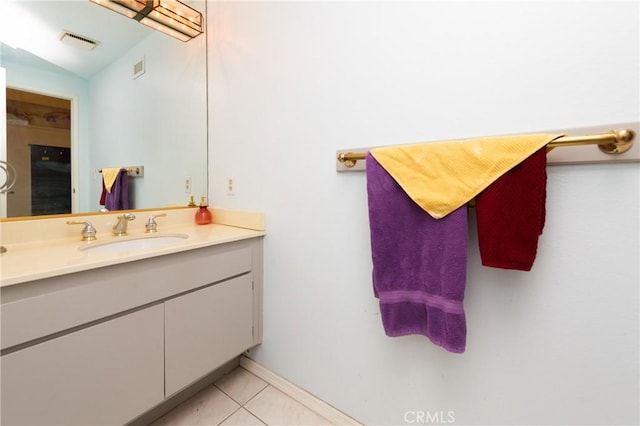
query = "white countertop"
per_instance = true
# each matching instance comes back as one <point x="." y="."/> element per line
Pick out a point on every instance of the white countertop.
<point x="33" y="260"/>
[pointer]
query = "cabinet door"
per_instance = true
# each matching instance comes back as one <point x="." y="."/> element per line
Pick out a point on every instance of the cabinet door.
<point x="105" y="374"/>
<point x="206" y="328"/>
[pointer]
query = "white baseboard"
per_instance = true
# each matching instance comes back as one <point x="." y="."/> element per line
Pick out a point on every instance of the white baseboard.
<point x="330" y="413"/>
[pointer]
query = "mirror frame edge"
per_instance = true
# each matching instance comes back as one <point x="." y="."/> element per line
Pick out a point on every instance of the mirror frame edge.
<point x="65" y="215"/>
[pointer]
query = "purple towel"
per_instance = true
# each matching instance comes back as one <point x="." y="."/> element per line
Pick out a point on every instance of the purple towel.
<point x="419" y="263"/>
<point x="118" y="198"/>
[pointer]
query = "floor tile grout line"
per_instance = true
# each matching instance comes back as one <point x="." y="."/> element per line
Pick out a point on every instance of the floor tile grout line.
<point x="243" y="386"/>
<point x="283" y="394"/>
<point x="302" y="396"/>
<point x="236" y="410"/>
<point x="232" y="398"/>
<point x="256" y="416"/>
<point x="253" y="397"/>
<point x="241" y="405"/>
<point x="256" y="394"/>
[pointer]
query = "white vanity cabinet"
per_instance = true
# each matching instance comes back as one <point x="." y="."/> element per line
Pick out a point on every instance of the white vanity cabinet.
<point x="103" y="346"/>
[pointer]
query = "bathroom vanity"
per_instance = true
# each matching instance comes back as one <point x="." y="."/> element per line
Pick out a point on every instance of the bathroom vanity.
<point x="112" y="335"/>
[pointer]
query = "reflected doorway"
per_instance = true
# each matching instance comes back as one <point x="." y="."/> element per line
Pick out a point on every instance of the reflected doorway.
<point x="39" y="147"/>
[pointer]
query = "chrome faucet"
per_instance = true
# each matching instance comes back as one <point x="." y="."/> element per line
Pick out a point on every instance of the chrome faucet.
<point x="151" y="225"/>
<point x="120" y="228"/>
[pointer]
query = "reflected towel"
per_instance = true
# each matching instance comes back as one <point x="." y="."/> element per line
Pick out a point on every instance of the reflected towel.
<point x="118" y="197"/>
<point x="442" y="176"/>
<point x="511" y="215"/>
<point x="419" y="264"/>
<point x="103" y="195"/>
<point x="109" y="176"/>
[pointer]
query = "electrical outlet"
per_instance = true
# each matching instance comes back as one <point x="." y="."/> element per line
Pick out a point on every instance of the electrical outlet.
<point x="231" y="186"/>
<point x="187" y="185"/>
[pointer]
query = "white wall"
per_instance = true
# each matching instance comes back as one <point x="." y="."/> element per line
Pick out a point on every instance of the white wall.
<point x="292" y="82"/>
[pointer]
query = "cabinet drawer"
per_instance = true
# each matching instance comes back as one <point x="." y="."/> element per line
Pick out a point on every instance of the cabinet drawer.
<point x="206" y="328"/>
<point x="105" y="374"/>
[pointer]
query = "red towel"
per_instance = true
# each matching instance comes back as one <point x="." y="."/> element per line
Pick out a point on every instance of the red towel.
<point x="103" y="196"/>
<point x="511" y="213"/>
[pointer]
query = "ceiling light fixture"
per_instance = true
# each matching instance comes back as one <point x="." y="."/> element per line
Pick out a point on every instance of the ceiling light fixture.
<point x="171" y="17"/>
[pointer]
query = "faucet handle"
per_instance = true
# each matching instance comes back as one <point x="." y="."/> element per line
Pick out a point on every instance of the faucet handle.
<point x="151" y="225"/>
<point x="88" y="232"/>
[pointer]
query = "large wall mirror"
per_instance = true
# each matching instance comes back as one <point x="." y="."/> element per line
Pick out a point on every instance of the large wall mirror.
<point x="138" y="99"/>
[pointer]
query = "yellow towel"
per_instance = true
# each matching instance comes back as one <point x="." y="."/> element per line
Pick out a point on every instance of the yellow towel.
<point x="109" y="176"/>
<point x="442" y="176"/>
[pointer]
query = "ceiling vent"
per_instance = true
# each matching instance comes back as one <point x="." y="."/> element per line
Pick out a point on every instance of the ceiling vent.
<point x="77" y="41"/>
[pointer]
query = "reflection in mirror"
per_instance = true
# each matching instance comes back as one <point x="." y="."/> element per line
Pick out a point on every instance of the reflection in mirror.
<point x="144" y="106"/>
<point x="39" y="144"/>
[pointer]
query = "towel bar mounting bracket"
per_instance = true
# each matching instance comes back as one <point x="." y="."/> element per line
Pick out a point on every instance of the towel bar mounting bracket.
<point x="622" y="144"/>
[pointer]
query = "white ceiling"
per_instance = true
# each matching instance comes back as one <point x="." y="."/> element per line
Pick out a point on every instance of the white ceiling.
<point x="35" y="27"/>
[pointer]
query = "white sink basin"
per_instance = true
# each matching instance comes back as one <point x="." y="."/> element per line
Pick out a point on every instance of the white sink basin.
<point x="134" y="243"/>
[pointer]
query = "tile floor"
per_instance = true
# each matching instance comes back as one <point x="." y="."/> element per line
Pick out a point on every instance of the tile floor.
<point x="241" y="398"/>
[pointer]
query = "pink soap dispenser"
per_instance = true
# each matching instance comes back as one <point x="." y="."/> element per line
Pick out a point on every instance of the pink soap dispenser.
<point x="203" y="215"/>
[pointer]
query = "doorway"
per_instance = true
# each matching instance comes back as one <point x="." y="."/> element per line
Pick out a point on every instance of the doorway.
<point x="38" y="145"/>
